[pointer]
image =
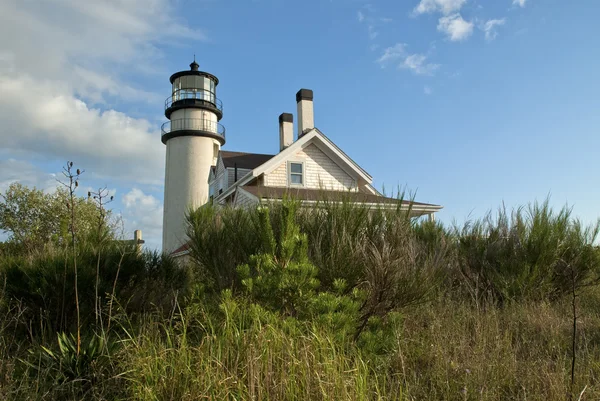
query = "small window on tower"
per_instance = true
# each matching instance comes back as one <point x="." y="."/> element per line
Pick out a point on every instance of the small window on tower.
<point x="215" y="150"/>
<point x="296" y="173"/>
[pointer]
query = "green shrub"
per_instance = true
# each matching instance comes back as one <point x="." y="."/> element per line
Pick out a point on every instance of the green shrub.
<point x="340" y="301"/>
<point x="281" y="276"/>
<point x="44" y="287"/>
<point x="533" y="253"/>
<point x="220" y="240"/>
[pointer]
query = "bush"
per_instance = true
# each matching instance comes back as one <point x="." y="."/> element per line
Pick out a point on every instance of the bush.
<point x="281" y="276"/>
<point x="532" y="253"/>
<point x="338" y="262"/>
<point x="220" y="241"/>
<point x="44" y="285"/>
<point x="340" y="301"/>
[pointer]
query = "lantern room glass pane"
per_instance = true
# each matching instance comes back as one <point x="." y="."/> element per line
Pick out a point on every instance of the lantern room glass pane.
<point x="208" y="93"/>
<point x="198" y="82"/>
<point x="176" y="87"/>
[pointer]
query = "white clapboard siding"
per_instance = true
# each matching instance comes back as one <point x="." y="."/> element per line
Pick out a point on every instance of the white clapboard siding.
<point x="220" y="179"/>
<point x="277" y="177"/>
<point x="320" y="172"/>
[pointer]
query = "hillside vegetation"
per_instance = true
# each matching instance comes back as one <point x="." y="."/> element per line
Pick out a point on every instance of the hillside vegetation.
<point x="339" y="302"/>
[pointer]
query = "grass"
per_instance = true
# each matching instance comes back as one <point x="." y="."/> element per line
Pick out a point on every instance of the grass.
<point x="452" y="350"/>
<point x="395" y="310"/>
<point x="265" y="362"/>
<point x="446" y="350"/>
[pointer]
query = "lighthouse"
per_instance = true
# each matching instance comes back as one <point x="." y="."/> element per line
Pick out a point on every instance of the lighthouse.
<point x="193" y="136"/>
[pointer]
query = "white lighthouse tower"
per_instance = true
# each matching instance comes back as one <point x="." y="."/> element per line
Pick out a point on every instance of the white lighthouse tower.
<point x="193" y="137"/>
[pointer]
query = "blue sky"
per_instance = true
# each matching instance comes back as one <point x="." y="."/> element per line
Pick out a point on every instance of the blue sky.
<point x="469" y="103"/>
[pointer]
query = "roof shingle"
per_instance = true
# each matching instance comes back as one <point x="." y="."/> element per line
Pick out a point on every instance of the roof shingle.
<point x="243" y="160"/>
<point x="320" y="194"/>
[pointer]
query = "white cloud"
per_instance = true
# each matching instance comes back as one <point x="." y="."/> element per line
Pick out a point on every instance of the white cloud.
<point x="12" y="170"/>
<point x="93" y="85"/>
<point x="137" y="198"/>
<point x="520" y="3"/>
<point x="427" y="90"/>
<point x="7" y="62"/>
<point x="143" y="212"/>
<point x="398" y="55"/>
<point x="53" y="124"/>
<point x="392" y="53"/>
<point x="489" y="28"/>
<point x="372" y="32"/>
<point x="455" y="27"/>
<point x="88" y="34"/>
<point x="417" y="63"/>
<point x="443" y="6"/>
<point x="369" y="16"/>
<point x="62" y="58"/>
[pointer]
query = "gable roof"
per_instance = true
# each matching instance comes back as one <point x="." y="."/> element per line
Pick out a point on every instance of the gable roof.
<point x="333" y="145"/>
<point x="328" y="146"/>
<point x="274" y="161"/>
<point x="243" y="160"/>
<point x="307" y="194"/>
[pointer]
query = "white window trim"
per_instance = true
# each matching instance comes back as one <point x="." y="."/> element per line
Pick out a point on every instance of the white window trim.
<point x="289" y="173"/>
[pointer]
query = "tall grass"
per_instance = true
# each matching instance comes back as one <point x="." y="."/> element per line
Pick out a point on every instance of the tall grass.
<point x="452" y="350"/>
<point x="528" y="253"/>
<point x="248" y="354"/>
<point x="337" y="302"/>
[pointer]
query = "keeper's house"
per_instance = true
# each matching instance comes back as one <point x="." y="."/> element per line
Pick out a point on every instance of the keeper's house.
<point x="308" y="166"/>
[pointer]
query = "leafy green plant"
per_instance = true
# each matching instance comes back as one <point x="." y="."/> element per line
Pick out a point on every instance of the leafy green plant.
<point x="281" y="276"/>
<point x="71" y="370"/>
<point x="66" y="363"/>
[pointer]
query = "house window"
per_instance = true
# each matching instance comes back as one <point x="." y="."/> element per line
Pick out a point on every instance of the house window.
<point x="296" y="173"/>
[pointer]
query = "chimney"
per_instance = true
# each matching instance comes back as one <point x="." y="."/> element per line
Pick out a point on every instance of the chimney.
<point x="286" y="130"/>
<point x="137" y="240"/>
<point x="306" y="118"/>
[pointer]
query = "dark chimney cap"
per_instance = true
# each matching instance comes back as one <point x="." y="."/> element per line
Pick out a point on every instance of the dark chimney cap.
<point x="194" y="66"/>
<point x="304" y="94"/>
<point x="286" y="118"/>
